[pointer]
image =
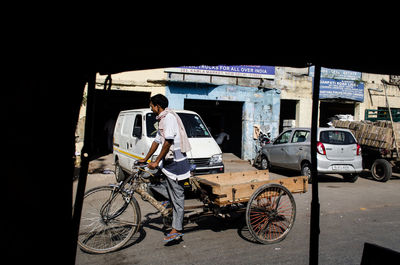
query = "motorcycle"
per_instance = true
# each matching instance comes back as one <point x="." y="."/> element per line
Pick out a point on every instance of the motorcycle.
<point x="260" y="161"/>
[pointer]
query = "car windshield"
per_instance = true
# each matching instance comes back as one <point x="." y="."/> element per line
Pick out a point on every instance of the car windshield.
<point x="194" y="126"/>
<point x="336" y="137"/>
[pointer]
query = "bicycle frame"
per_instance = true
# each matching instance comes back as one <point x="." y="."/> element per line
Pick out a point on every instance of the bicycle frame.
<point x="140" y="185"/>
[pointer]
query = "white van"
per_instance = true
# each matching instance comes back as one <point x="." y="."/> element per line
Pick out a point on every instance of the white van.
<point x="136" y="129"/>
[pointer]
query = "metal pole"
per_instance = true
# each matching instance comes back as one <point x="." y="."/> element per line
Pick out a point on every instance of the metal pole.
<point x="85" y="158"/>
<point x="315" y="207"/>
<point x="385" y="83"/>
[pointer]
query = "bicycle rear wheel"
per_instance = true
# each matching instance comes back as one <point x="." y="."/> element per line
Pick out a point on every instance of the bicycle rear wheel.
<point x="270" y="213"/>
<point x="109" y="219"/>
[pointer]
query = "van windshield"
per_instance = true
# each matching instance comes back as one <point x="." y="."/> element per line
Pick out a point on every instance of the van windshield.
<point x="194" y="126"/>
<point x="336" y="137"/>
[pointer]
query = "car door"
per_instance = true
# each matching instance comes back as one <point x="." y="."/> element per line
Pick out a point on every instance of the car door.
<point x="277" y="151"/>
<point x="297" y="148"/>
<point x="137" y="141"/>
<point x="125" y="141"/>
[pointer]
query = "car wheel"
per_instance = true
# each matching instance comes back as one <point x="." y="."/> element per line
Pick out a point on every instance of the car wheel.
<point x="306" y="171"/>
<point x="264" y="163"/>
<point x="350" y="177"/>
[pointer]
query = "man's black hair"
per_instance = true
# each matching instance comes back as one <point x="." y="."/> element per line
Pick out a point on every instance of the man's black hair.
<point x="159" y="100"/>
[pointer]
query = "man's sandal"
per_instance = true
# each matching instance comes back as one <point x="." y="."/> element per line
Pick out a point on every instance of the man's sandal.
<point x="173" y="236"/>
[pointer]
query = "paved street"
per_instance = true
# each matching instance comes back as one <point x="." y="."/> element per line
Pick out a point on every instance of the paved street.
<point x="351" y="214"/>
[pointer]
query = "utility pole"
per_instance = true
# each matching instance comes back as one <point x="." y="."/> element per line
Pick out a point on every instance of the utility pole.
<point x="315" y="206"/>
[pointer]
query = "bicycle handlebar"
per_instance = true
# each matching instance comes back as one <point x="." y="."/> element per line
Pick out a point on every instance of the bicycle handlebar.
<point x="140" y="164"/>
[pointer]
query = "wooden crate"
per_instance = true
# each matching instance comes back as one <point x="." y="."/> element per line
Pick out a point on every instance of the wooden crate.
<point x="228" y="188"/>
<point x="375" y="134"/>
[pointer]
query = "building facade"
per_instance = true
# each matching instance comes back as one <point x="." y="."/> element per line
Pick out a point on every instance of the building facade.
<point x="236" y="98"/>
<point x="230" y="108"/>
<point x="341" y="92"/>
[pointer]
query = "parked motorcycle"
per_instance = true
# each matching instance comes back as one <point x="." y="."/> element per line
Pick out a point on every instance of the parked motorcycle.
<point x="260" y="160"/>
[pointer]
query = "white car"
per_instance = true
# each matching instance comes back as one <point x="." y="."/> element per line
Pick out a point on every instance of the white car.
<point x="337" y="152"/>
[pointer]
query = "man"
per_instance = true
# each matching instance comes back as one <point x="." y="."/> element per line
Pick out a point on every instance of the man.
<point x="221" y="139"/>
<point x="172" y="160"/>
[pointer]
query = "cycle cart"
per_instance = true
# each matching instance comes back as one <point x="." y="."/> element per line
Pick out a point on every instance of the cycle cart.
<point x="111" y="214"/>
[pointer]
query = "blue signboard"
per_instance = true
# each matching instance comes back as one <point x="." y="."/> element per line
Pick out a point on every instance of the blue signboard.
<point x="345" y="89"/>
<point x="249" y="71"/>
<point x="336" y="73"/>
<point x="343" y="84"/>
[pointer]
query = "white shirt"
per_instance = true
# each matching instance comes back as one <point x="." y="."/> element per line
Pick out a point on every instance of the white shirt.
<point x="171" y="132"/>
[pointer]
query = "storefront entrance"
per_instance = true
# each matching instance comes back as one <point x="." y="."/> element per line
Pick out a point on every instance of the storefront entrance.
<point x="287" y="112"/>
<point x="329" y="109"/>
<point x="217" y="115"/>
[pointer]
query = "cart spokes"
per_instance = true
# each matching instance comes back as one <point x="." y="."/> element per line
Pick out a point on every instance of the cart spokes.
<point x="270" y="213"/>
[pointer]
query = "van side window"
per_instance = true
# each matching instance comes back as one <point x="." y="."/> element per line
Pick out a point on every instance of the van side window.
<point x="118" y="124"/>
<point x="127" y="125"/>
<point x="151" y="125"/>
<point x="137" y="126"/>
<point x="300" y="136"/>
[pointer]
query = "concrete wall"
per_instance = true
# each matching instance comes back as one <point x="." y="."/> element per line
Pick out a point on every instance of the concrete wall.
<point x="152" y="80"/>
<point x="297" y="85"/>
<point x="374" y="94"/>
<point x="294" y="83"/>
<point x="261" y="97"/>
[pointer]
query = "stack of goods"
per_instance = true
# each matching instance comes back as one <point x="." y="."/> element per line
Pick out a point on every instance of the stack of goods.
<point x="375" y="134"/>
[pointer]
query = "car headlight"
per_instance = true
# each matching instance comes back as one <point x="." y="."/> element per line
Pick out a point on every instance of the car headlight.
<point x="153" y="158"/>
<point x="216" y="159"/>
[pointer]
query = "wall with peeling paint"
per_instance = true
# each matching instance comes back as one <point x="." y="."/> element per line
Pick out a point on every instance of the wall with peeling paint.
<point x="260" y="106"/>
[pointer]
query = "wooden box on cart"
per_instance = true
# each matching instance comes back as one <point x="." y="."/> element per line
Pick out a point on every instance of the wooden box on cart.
<point x="235" y="187"/>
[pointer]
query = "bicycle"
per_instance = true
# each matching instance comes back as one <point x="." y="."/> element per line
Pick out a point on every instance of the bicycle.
<point x="111" y="214"/>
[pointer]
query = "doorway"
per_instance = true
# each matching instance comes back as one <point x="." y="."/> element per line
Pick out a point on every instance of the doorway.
<point x="328" y="109"/>
<point x="217" y="115"/>
<point x="287" y="112"/>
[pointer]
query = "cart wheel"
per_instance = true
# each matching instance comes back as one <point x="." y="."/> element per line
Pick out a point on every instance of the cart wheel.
<point x="270" y="213"/>
<point x="381" y="170"/>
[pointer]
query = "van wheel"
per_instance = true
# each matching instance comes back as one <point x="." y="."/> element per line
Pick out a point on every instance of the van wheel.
<point x="306" y="171"/>
<point x="119" y="173"/>
<point x="381" y="170"/>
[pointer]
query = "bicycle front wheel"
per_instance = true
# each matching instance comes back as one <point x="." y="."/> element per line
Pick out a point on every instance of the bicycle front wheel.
<point x="109" y="219"/>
